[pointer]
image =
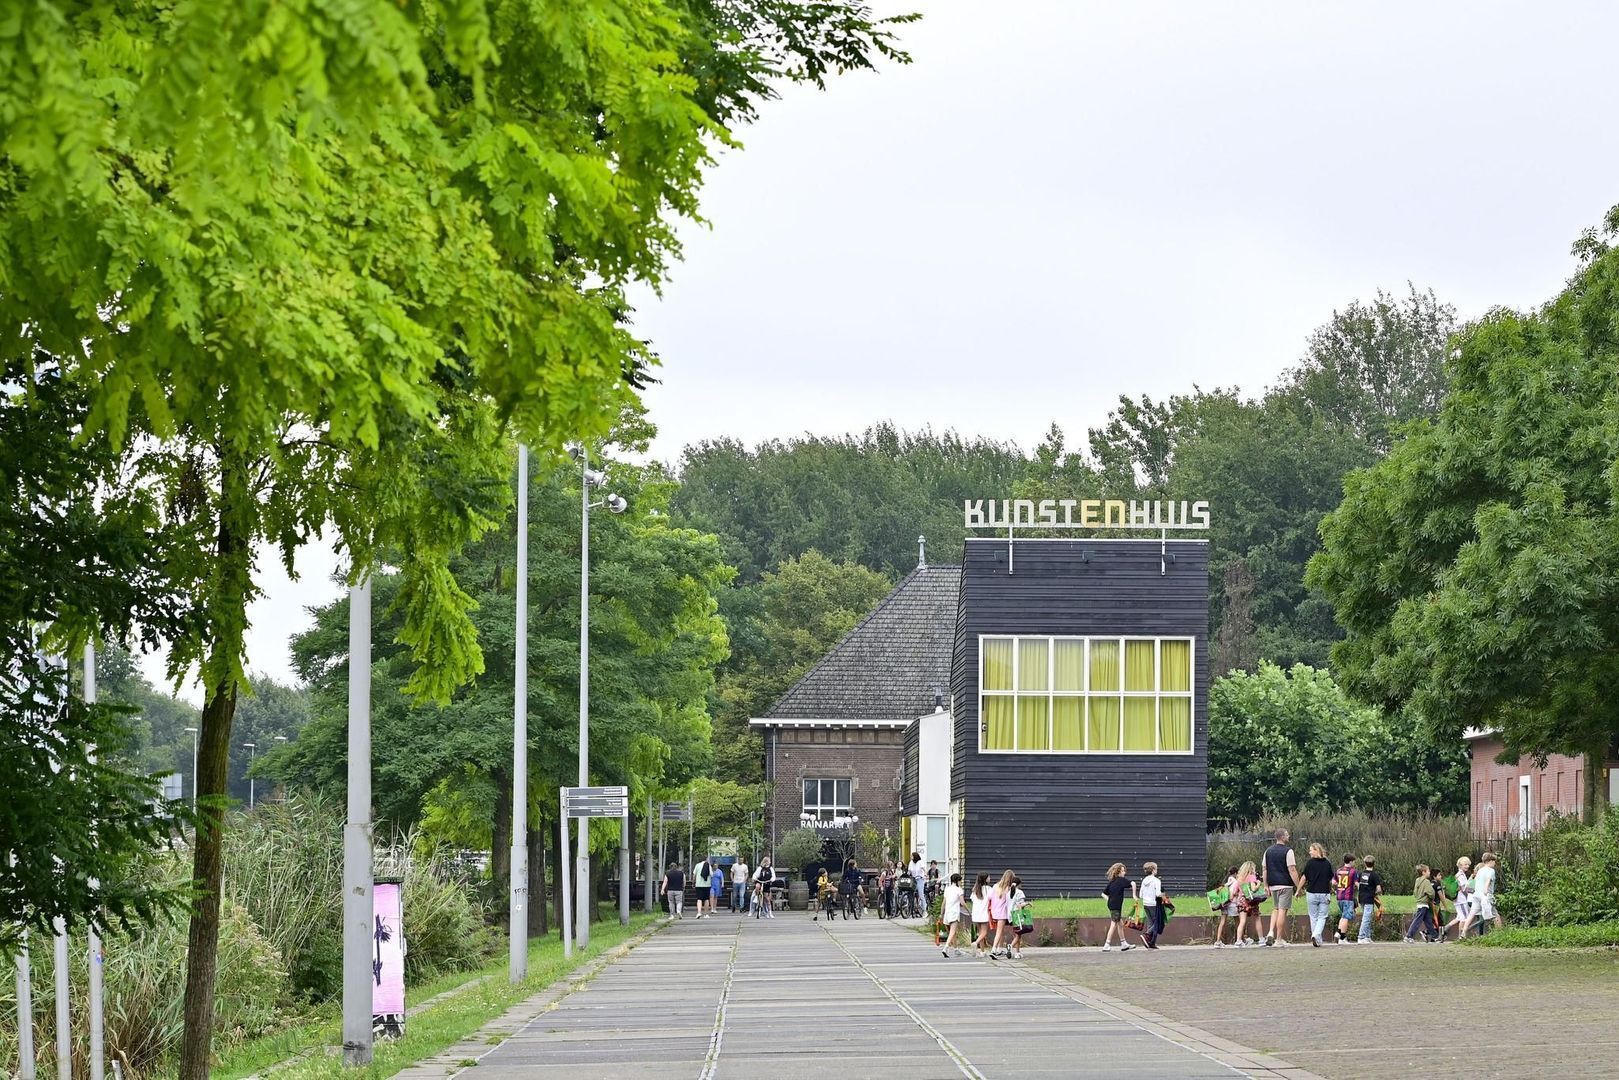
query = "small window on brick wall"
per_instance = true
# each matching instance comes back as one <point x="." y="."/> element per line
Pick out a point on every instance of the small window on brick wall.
<point x="826" y="798"/>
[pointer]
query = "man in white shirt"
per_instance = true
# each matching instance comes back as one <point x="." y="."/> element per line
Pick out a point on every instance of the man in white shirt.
<point x="739" y="885"/>
<point x="952" y="914"/>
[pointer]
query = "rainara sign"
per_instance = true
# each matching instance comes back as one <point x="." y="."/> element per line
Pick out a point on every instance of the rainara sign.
<point x="1084" y="514"/>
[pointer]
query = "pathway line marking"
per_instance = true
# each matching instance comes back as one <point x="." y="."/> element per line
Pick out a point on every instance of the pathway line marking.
<point x="712" y="1061"/>
<point x="968" y="1069"/>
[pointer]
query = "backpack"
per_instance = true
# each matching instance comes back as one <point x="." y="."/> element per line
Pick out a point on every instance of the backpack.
<point x="1219" y="898"/>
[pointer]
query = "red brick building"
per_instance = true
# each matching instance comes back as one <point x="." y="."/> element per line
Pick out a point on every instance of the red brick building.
<point x="1516" y="797"/>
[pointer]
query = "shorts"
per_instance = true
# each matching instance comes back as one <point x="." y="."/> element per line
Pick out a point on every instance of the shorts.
<point x="1229" y="909"/>
<point x="1486" y="906"/>
<point x="716" y="886"/>
<point x="1115" y="913"/>
<point x="1282" y="897"/>
<point x="1346" y="909"/>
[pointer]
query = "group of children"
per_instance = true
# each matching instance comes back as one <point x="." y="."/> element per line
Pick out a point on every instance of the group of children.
<point x="1474" y="902"/>
<point x="994" y="909"/>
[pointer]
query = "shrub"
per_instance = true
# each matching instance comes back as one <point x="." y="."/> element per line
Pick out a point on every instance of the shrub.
<point x="799" y="848"/>
<point x="1399" y="841"/>
<point x="1590" y="935"/>
<point x="1565" y="874"/>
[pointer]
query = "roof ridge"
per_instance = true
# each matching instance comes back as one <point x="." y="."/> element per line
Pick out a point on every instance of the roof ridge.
<point x="855" y="629"/>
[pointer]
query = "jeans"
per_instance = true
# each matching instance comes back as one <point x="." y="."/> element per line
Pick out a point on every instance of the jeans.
<point x="1421" y="924"/>
<point x="677" y="902"/>
<point x="737" y="892"/>
<point x="1366" y="913"/>
<point x="1319" y="904"/>
<point x="1155" y="921"/>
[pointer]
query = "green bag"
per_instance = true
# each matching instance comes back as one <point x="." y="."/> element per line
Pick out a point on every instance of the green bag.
<point x="1219" y="898"/>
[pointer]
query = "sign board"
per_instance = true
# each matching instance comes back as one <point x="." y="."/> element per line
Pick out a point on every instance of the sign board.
<point x="387" y="960"/>
<point x="674" y="811"/>
<point x="722" y="847"/>
<point x="587" y="802"/>
<point x="1084" y="514"/>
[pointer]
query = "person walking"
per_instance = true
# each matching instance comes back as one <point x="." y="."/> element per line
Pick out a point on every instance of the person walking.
<point x="1152" y="902"/>
<point x="716" y="885"/>
<point x="1423" y="893"/>
<point x="1343" y="891"/>
<point x="701" y="873"/>
<point x="980" y="914"/>
<point x="1484" y="894"/>
<point x="950" y="912"/>
<point x="1318" y="892"/>
<point x="886" y="878"/>
<point x="1282" y="882"/>
<point x="1021" y="916"/>
<point x="739" y="885"/>
<point x="1464" y="897"/>
<point x="1228" y="909"/>
<point x="1000" y="912"/>
<point x="1369" y="891"/>
<point x="1250" y="894"/>
<point x="1118" y="884"/>
<point x="673" y="890"/>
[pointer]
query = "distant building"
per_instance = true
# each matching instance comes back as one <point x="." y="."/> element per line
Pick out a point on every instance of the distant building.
<point x="1040" y="707"/>
<point x="1515" y="798"/>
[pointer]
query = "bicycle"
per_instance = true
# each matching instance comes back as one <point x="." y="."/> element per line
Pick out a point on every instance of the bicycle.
<point x="853" y="901"/>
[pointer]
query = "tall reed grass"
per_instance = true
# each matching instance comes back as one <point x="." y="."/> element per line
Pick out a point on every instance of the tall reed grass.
<point x="1399" y="842"/>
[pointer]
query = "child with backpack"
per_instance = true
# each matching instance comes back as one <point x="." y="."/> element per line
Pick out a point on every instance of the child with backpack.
<point x="1343" y="890"/>
<point x="1224" y="900"/>
<point x="1423" y="893"/>
<point x="1022" y="918"/>
<point x="1249" y="895"/>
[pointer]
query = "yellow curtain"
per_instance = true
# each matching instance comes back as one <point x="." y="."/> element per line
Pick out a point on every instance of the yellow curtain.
<point x="1175" y="723"/>
<point x="1138" y="666"/>
<point x="997" y="723"/>
<point x="1175" y="665"/>
<point x="1070" y="664"/>
<point x="1104" y="665"/>
<point x="997" y="663"/>
<point x="1139" y="715"/>
<point x="1034" y="654"/>
<point x="1033" y="723"/>
<point x="1102" y="729"/>
<point x="1067" y="722"/>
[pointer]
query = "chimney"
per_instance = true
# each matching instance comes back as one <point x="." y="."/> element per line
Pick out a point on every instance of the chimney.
<point x="921" y="552"/>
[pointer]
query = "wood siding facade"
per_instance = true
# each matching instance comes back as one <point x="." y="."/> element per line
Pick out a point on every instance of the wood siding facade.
<point x="1059" y="820"/>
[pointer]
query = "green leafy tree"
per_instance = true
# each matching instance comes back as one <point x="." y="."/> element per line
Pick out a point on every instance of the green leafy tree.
<point x="1287" y="741"/>
<point x="307" y="264"/>
<point x="1476" y="568"/>
<point x="779" y="628"/>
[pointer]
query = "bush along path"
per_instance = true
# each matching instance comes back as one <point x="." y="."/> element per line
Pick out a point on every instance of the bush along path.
<point x="438" y="1027"/>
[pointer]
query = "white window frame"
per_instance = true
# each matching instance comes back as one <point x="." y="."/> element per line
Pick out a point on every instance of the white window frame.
<point x="832" y="809"/>
<point x="1051" y="693"/>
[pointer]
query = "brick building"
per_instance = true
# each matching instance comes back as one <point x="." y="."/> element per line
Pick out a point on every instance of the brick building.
<point x="1517" y="796"/>
<point x="834" y="742"/>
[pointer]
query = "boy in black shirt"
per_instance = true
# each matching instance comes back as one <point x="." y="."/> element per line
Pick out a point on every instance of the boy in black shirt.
<point x="1369" y="888"/>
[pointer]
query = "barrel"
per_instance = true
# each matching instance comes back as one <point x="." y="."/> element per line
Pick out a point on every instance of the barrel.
<point x="798" y="895"/>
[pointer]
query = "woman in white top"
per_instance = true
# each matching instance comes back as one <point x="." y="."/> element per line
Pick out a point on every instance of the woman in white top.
<point x="1464" y="898"/>
<point x="951" y="913"/>
<point x="980" y="913"/>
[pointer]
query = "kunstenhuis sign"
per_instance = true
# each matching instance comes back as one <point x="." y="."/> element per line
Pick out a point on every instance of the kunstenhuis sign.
<point x="1085" y="514"/>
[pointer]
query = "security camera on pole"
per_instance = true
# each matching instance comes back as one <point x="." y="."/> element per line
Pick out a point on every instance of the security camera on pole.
<point x="590" y="478"/>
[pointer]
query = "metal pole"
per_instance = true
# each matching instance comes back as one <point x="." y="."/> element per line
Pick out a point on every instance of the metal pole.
<point x="357" y="881"/>
<point x="93" y="939"/>
<point x="567" y="904"/>
<point x="517" y="915"/>
<point x="25" y="1012"/>
<point x="648" y="897"/>
<point x="252" y="756"/>
<point x="193" y="768"/>
<point x="64" y="1033"/>
<point x="583" y="882"/>
<point x="624" y="868"/>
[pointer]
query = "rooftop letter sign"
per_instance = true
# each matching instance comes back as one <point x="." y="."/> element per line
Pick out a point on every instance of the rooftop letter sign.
<point x="1084" y="514"/>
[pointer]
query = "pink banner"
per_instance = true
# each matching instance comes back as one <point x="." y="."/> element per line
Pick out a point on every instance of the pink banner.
<point x="388" y="955"/>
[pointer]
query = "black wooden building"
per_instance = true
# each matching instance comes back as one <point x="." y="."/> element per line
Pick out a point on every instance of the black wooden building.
<point x="1078" y="702"/>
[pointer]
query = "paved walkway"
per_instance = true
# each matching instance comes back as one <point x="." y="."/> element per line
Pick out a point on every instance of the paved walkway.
<point x="793" y="999"/>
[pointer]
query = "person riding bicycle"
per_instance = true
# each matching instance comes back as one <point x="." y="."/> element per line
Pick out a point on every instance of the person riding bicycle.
<point x="826" y="895"/>
<point x="853" y="883"/>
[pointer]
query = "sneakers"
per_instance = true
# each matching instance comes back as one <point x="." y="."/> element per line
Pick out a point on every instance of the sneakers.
<point x="1315" y="942"/>
<point x="1126" y="947"/>
<point x="1107" y="947"/>
<point x="978" y="954"/>
<point x="1241" y="944"/>
<point x="1219" y="944"/>
<point x="1017" y="954"/>
<point x="1267" y="941"/>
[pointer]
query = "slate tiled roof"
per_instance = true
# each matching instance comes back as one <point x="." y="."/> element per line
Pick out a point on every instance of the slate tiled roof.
<point x="887" y="667"/>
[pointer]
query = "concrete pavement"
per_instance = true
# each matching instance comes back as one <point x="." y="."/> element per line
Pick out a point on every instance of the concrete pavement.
<point x="731" y="997"/>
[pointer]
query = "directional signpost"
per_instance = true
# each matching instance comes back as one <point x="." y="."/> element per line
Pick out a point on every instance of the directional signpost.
<point x="585" y="802"/>
<point x="667" y="812"/>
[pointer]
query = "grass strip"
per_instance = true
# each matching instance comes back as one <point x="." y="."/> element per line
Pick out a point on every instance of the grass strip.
<point x="487" y="994"/>
<point x="1585" y="936"/>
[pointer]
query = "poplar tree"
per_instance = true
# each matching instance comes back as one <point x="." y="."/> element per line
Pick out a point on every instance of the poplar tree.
<point x="313" y="262"/>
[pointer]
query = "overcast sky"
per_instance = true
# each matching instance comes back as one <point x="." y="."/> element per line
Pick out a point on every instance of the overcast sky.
<point x="1058" y="203"/>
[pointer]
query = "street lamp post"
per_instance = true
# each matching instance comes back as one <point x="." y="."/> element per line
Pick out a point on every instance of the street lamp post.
<point x="589" y="478"/>
<point x="252" y="755"/>
<point x="193" y="768"/>
<point x="517" y="906"/>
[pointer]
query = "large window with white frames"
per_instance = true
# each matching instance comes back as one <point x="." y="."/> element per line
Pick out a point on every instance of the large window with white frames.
<point x="1085" y="695"/>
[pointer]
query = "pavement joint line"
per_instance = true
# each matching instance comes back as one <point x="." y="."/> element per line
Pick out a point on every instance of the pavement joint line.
<point x="968" y="1069"/>
<point x="1171" y="1031"/>
<point x="712" y="1061"/>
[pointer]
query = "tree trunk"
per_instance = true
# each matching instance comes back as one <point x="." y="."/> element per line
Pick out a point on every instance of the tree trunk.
<point x="1596" y="782"/>
<point x="536" y="882"/>
<point x="226" y="608"/>
<point x="554" y="842"/>
<point x="500" y="833"/>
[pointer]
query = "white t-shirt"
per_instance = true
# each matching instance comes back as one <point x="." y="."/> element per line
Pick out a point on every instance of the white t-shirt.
<point x="952" y="903"/>
<point x="739" y="873"/>
<point x="980" y="907"/>
<point x="1151" y="890"/>
<point x="1484" y="883"/>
